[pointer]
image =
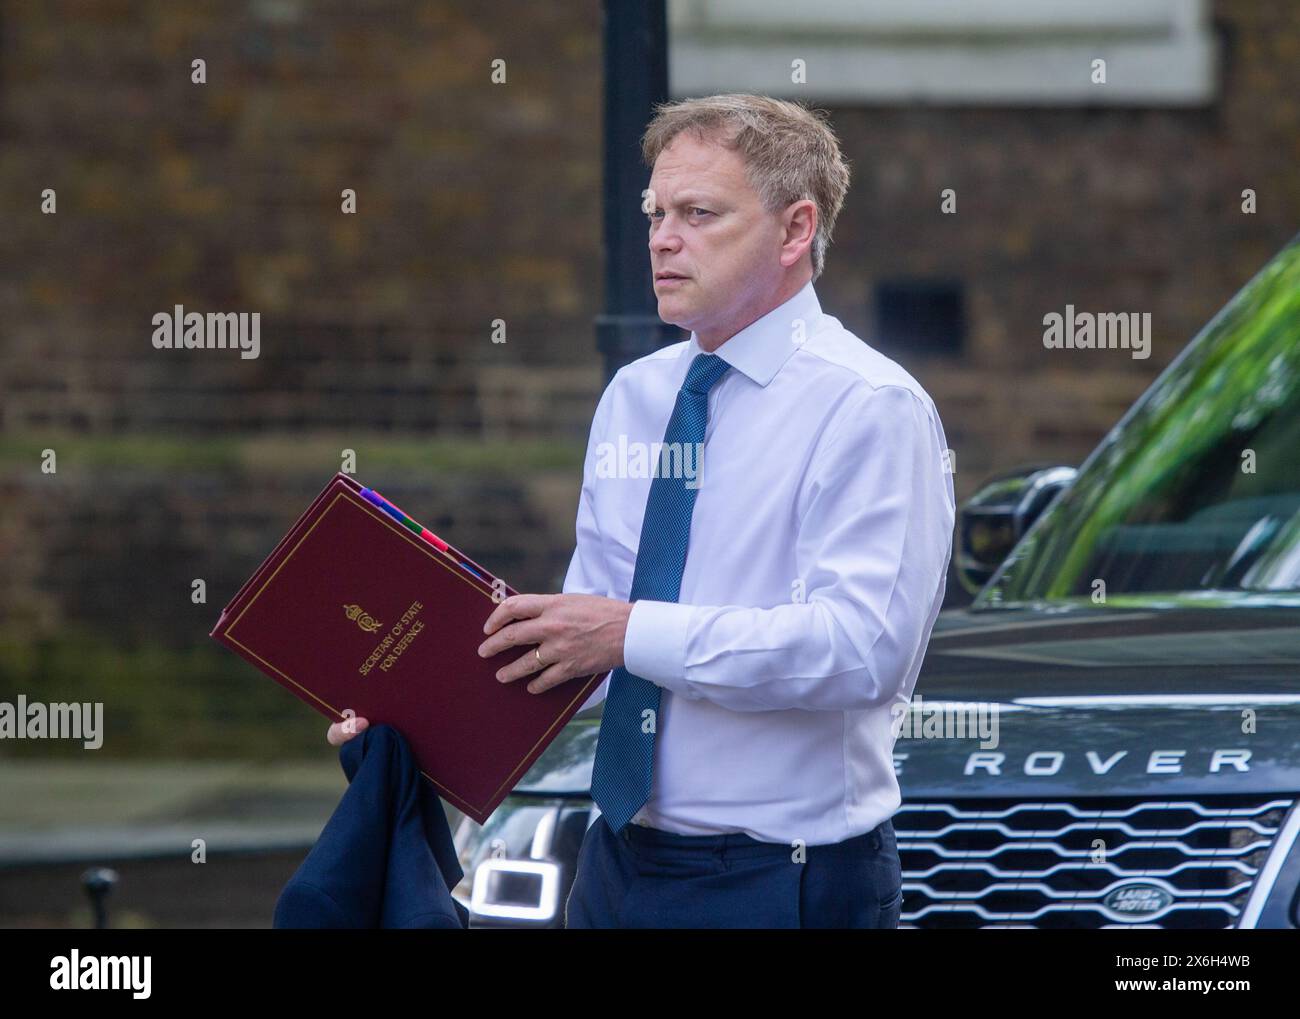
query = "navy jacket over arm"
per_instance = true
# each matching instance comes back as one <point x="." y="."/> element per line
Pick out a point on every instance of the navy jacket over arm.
<point x="385" y="857"/>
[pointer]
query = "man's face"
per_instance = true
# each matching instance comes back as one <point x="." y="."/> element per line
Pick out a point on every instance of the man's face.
<point x="708" y="225"/>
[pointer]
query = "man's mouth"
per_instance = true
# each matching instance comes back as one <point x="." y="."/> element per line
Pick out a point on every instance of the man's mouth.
<point x="661" y="276"/>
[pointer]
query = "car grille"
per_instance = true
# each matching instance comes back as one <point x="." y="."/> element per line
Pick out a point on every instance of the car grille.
<point x="1182" y="863"/>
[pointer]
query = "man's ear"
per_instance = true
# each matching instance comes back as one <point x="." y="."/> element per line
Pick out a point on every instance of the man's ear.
<point x="799" y="222"/>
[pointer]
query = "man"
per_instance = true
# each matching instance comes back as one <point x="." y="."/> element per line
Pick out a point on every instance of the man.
<point x="744" y="770"/>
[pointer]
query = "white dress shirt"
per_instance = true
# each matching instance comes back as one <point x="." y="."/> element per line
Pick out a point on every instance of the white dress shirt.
<point x="818" y="551"/>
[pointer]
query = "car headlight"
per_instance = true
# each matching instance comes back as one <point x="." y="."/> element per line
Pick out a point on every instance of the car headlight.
<point x="519" y="866"/>
<point x="523" y="891"/>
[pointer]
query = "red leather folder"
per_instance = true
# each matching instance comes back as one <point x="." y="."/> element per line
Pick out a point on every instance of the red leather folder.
<point x="353" y="610"/>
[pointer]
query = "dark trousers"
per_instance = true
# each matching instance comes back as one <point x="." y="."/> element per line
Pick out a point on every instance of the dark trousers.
<point x="645" y="877"/>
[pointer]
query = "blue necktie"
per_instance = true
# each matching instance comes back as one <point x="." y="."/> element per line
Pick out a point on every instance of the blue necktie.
<point x="620" y="776"/>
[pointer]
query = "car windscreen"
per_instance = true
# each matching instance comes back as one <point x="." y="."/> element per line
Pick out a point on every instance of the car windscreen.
<point x="1198" y="487"/>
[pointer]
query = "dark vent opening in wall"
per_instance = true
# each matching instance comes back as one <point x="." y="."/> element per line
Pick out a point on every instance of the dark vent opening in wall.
<point x="920" y="318"/>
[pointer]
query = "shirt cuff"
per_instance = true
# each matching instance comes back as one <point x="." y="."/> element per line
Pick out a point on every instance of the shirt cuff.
<point x="654" y="646"/>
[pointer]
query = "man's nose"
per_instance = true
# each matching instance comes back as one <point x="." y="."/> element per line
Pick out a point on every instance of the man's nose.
<point x="664" y="237"/>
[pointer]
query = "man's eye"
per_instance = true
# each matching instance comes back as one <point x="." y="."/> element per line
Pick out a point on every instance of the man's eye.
<point x="693" y="209"/>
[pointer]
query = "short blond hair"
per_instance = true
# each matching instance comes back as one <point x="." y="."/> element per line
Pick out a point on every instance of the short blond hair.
<point x="790" y="151"/>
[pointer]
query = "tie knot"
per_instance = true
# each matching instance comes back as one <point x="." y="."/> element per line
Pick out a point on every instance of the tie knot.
<point x="706" y="369"/>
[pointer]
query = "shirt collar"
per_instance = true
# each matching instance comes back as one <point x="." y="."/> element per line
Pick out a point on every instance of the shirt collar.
<point x="762" y="347"/>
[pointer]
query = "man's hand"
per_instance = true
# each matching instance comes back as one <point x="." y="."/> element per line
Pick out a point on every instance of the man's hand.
<point x="576" y="634"/>
<point x="340" y="732"/>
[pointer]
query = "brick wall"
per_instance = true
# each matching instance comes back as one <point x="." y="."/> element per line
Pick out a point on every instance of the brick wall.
<point x="476" y="202"/>
<point x="480" y="202"/>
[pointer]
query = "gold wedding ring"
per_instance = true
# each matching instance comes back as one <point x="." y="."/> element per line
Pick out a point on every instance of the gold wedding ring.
<point x="537" y="652"/>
